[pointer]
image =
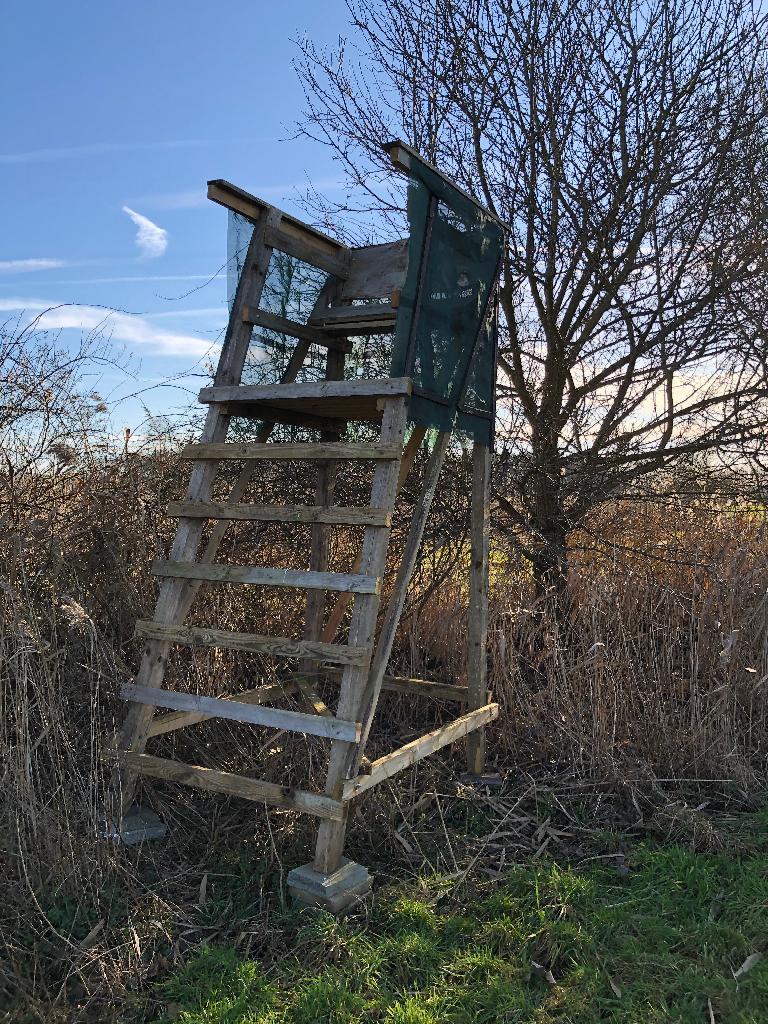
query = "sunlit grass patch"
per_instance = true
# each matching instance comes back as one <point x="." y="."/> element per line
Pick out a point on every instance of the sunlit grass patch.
<point x="657" y="942"/>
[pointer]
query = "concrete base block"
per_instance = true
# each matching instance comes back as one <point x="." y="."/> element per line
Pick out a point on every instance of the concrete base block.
<point x="335" y="892"/>
<point x="137" y="825"/>
<point x="488" y="780"/>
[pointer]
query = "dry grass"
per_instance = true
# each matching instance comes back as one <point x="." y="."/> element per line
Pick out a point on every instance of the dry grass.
<point x="661" y="673"/>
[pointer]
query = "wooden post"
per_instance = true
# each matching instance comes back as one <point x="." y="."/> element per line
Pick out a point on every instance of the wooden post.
<point x="478" y="603"/>
<point x="330" y="840"/>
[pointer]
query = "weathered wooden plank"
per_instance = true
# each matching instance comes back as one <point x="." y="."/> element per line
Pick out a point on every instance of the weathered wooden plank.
<point x="282" y="325"/>
<point x="227" y="782"/>
<point x="318" y="389"/>
<point x="375" y="271"/>
<point x="302" y="246"/>
<point x="300" y="450"/>
<point x="239" y="711"/>
<point x="181" y="719"/>
<point x="351" y="583"/>
<point x="391" y="764"/>
<point x="477" y="627"/>
<point x="380" y="316"/>
<point x="278" y="646"/>
<point x="414" y="687"/>
<point x="333" y="515"/>
<point x="330" y="838"/>
<point x="234" y="198"/>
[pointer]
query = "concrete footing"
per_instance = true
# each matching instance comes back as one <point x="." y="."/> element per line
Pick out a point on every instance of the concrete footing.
<point x="138" y="825"/>
<point x="335" y="892"/>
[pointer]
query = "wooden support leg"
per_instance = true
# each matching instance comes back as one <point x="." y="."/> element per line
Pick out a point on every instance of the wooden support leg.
<point x="330" y="842"/>
<point x="363" y="692"/>
<point x="478" y="604"/>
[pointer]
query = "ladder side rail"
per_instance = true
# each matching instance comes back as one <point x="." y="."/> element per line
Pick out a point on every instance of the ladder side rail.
<point x="330" y="839"/>
<point x="172" y="597"/>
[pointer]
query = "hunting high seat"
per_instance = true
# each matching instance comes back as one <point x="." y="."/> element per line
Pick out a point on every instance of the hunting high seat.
<point x="435" y="291"/>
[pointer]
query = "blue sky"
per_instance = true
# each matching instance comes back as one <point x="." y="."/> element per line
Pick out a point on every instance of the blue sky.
<point x="114" y="117"/>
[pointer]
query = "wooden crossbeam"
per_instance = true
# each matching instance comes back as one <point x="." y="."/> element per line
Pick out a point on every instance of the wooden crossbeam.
<point x="332" y="515"/>
<point x="278" y="646"/>
<point x="282" y="325"/>
<point x="342" y="582"/>
<point x="386" y="387"/>
<point x="336" y="317"/>
<point x="416" y="687"/>
<point x="174" y="720"/>
<point x="227" y="782"/>
<point x="239" y="711"/>
<point x="391" y="764"/>
<point x="225" y="194"/>
<point x="300" y="450"/>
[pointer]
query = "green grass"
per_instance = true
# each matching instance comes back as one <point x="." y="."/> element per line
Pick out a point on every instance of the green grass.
<point x="655" y="944"/>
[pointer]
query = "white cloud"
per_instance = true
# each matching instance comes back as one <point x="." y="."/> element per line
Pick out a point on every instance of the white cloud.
<point x="151" y="239"/>
<point x="27" y="266"/>
<point x="127" y="328"/>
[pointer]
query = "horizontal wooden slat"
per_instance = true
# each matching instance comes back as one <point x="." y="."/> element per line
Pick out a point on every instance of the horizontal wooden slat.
<point x="279" y="647"/>
<point x="302" y="246"/>
<point x="387" y="387"/>
<point x="332" y="514"/>
<point x="174" y="720"/>
<point x="341" y="582"/>
<point x="282" y="325"/>
<point x="416" y="687"/>
<point x="300" y="450"/>
<point x="239" y="711"/>
<point x="386" y="767"/>
<point x="250" y="206"/>
<point x="362" y="314"/>
<point x="233" y="785"/>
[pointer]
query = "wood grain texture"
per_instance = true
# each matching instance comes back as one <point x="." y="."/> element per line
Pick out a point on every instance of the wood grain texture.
<point x="174" y="720"/>
<point x="282" y="325"/>
<point x="391" y="764"/>
<point x="257" y="576"/>
<point x="226" y="782"/>
<point x="338" y="515"/>
<point x="240" y="711"/>
<point x="280" y="647"/>
<point x="382" y="388"/>
<point x="299" y="450"/>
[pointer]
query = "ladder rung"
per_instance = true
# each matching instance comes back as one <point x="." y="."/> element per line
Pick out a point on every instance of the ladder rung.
<point x="331" y="514"/>
<point x="386" y="387"/>
<point x="379" y="315"/>
<point x="342" y="582"/>
<point x="301" y="450"/>
<point x="237" y="711"/>
<point x="227" y="782"/>
<point x="278" y="646"/>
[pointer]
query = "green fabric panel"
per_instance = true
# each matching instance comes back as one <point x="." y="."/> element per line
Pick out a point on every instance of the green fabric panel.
<point x="464" y="251"/>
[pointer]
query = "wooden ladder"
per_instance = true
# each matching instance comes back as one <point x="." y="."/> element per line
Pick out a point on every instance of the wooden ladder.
<point x="326" y="405"/>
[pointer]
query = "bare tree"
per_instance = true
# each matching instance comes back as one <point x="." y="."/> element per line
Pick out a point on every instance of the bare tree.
<point x="625" y="144"/>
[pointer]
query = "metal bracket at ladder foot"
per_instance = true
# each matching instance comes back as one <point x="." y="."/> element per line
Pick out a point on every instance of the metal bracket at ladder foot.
<point x="335" y="892"/>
